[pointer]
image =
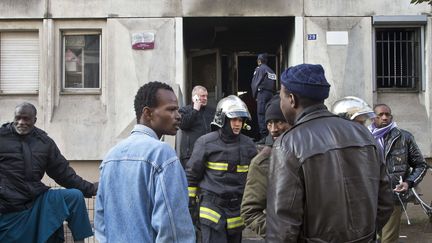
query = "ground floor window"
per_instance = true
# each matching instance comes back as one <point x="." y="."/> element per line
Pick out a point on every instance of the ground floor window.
<point x="398" y="63"/>
<point x="81" y="60"/>
<point x="19" y="62"/>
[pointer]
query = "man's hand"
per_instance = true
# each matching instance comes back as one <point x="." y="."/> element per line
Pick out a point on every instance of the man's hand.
<point x="402" y="187"/>
<point x="196" y="102"/>
<point x="95" y="186"/>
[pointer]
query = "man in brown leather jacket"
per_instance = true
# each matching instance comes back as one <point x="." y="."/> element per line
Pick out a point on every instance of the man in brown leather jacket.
<point x="327" y="181"/>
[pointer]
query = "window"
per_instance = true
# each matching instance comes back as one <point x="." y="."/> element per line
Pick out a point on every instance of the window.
<point x="398" y="62"/>
<point x="398" y="50"/>
<point x="19" y="62"/>
<point x="81" y="61"/>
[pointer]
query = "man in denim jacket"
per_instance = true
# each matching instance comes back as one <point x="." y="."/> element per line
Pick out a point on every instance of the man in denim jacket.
<point x="142" y="195"/>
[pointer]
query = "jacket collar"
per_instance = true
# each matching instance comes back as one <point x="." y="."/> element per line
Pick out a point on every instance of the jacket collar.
<point x="139" y="128"/>
<point x="8" y="128"/>
<point x="312" y="112"/>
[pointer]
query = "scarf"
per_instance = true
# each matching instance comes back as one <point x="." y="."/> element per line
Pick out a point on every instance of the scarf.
<point x="379" y="133"/>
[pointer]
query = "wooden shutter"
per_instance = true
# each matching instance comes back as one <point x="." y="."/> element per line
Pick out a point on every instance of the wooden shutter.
<point x="19" y="62"/>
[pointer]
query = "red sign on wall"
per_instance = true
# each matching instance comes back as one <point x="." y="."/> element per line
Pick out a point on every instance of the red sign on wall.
<point x="143" y="41"/>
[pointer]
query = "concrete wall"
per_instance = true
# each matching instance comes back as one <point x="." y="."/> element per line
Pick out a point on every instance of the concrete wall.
<point x="176" y="8"/>
<point x="347" y="66"/>
<point x="85" y="126"/>
<point x="362" y="8"/>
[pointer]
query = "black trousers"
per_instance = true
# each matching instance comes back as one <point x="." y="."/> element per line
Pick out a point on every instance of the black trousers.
<point x="262" y="98"/>
<point x="210" y="235"/>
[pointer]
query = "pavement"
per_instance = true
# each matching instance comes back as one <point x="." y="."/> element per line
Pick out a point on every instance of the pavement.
<point x="419" y="231"/>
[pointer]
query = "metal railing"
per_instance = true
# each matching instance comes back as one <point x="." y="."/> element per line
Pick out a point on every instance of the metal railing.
<point x="90" y="204"/>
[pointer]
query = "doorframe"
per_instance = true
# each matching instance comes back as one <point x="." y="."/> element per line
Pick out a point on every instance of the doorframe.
<point x="203" y="52"/>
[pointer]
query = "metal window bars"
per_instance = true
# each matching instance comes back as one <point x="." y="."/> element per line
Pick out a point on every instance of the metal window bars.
<point x="398" y="58"/>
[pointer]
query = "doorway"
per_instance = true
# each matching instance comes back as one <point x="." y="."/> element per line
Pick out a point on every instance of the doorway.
<point x="221" y="54"/>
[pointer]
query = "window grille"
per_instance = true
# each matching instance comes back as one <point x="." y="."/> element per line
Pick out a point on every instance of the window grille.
<point x="398" y="64"/>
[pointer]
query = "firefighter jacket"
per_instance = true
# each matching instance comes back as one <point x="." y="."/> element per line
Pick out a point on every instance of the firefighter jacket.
<point x="264" y="78"/>
<point x="218" y="168"/>
<point x="326" y="182"/>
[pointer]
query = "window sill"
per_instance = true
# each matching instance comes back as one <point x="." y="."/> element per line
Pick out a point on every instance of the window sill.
<point x="12" y="93"/>
<point x="393" y="90"/>
<point x="80" y="92"/>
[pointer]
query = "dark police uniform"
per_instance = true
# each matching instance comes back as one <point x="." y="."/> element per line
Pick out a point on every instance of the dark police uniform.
<point x="263" y="87"/>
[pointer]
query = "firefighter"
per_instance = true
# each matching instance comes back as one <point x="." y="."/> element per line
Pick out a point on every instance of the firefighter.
<point x="217" y="170"/>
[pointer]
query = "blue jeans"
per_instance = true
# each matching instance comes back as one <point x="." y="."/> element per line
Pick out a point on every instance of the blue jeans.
<point x="43" y="222"/>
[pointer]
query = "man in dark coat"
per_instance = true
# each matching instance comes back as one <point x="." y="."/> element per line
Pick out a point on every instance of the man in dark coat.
<point x="263" y="87"/>
<point x="29" y="210"/>
<point x="195" y="122"/>
<point x="405" y="164"/>
<point x="327" y="181"/>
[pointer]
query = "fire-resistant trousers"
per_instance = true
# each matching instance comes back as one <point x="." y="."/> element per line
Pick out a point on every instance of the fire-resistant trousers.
<point x="210" y="235"/>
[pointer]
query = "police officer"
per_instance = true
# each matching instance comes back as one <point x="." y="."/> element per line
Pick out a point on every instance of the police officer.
<point x="218" y="168"/>
<point x="263" y="87"/>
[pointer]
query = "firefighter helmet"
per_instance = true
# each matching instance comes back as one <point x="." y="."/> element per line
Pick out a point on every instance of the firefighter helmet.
<point x="353" y="108"/>
<point x="231" y="107"/>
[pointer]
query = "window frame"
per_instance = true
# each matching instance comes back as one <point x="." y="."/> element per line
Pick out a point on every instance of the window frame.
<point x="71" y="32"/>
<point x="400" y="22"/>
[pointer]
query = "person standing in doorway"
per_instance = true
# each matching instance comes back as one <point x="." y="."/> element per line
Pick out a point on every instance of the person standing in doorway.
<point x="263" y="87"/>
<point x="195" y="121"/>
<point x="326" y="179"/>
<point x="142" y="194"/>
<point x="404" y="161"/>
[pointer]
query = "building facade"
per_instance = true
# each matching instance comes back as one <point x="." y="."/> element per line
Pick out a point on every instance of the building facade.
<point x="81" y="62"/>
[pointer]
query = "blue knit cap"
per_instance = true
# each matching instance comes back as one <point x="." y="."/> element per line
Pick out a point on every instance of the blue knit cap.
<point x="306" y="80"/>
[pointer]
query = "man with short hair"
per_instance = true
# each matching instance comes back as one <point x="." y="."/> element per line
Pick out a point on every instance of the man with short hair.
<point x="255" y="194"/>
<point x="142" y="194"/>
<point x="326" y="180"/>
<point x="195" y="122"/>
<point x="405" y="164"/>
<point x="263" y="87"/>
<point x="29" y="210"/>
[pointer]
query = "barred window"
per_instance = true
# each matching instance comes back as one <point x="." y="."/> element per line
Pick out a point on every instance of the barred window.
<point x="398" y="63"/>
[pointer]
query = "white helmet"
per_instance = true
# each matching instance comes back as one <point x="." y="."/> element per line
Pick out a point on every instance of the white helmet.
<point x="231" y="107"/>
<point x="352" y="107"/>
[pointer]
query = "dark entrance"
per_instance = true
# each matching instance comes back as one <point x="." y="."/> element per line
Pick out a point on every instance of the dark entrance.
<point x="222" y="52"/>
